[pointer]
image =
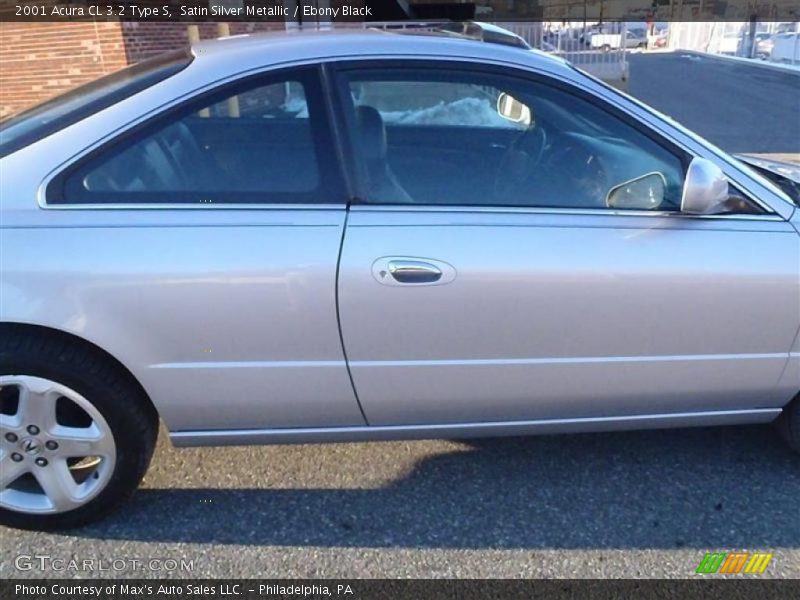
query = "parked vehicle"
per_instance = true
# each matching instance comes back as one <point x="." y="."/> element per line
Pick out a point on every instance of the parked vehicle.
<point x="786" y="48"/>
<point x="294" y="238"/>
<point x="585" y="34"/>
<point x="764" y="44"/>
<point x="613" y="41"/>
<point x="729" y="43"/>
<point x="660" y="41"/>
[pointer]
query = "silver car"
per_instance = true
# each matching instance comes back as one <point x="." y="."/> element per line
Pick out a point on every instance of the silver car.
<point x="369" y="236"/>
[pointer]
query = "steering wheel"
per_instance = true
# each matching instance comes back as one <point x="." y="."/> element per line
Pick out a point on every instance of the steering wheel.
<point x="520" y="159"/>
<point x="579" y="176"/>
<point x="561" y="172"/>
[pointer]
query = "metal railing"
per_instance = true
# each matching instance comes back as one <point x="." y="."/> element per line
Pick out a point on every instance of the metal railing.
<point x="606" y="60"/>
<point x="599" y="50"/>
<point x="768" y="41"/>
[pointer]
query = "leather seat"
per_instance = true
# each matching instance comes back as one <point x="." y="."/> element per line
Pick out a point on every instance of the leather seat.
<point x="168" y="161"/>
<point x="193" y="170"/>
<point x="383" y="184"/>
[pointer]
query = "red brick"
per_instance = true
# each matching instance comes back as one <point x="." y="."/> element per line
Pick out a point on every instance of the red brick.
<point x="39" y="60"/>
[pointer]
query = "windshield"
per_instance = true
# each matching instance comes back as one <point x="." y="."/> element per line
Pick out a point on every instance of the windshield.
<point x="46" y="118"/>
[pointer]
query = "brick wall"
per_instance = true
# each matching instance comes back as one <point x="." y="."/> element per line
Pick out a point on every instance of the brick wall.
<point x="44" y="59"/>
<point x="40" y="60"/>
<point x="143" y="40"/>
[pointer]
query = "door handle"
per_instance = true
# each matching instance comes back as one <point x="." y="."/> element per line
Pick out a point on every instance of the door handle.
<point x="414" y="271"/>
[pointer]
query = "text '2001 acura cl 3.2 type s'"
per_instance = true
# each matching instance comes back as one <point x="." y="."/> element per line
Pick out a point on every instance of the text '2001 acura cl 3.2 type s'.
<point x="371" y="236"/>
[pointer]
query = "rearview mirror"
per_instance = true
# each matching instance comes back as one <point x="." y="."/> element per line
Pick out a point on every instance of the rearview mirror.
<point x="643" y="193"/>
<point x="512" y="109"/>
<point x="705" y="190"/>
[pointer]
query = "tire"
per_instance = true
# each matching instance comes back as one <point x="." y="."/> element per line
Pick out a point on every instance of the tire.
<point x="789" y="424"/>
<point x="605" y="48"/>
<point x="109" y="399"/>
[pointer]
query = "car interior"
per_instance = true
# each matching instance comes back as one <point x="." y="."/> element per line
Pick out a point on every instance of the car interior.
<point x="562" y="157"/>
<point x="256" y="143"/>
<point x="436" y="142"/>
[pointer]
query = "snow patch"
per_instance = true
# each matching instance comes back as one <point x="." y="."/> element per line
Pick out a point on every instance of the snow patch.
<point x="466" y="112"/>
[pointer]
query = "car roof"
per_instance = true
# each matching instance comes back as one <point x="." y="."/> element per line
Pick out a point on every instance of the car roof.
<point x="273" y="48"/>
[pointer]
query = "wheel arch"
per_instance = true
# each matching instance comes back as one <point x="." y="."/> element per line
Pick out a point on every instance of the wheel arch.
<point x="28" y="329"/>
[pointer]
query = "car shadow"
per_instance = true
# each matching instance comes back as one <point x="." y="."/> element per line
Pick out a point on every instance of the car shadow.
<point x="733" y="487"/>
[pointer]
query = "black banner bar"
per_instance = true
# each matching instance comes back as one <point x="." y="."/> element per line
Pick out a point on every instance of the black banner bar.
<point x="740" y="588"/>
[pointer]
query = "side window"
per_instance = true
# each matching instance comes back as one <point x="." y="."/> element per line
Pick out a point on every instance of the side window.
<point x="262" y="141"/>
<point x="436" y="137"/>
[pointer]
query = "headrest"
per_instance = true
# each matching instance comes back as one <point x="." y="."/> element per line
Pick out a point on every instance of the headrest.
<point x="372" y="133"/>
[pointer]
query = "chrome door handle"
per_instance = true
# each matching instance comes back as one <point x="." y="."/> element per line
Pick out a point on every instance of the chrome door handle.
<point x="414" y="271"/>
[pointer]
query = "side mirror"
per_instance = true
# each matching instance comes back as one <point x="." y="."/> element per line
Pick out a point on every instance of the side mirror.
<point x="513" y="110"/>
<point x="643" y="193"/>
<point x="705" y="190"/>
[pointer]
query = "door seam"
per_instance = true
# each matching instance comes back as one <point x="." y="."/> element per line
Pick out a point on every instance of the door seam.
<point x="339" y="317"/>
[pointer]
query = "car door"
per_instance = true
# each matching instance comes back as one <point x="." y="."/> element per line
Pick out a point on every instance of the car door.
<point x="522" y="295"/>
<point x="200" y="248"/>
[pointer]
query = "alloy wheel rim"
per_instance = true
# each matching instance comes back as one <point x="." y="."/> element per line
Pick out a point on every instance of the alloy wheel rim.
<point x="47" y="432"/>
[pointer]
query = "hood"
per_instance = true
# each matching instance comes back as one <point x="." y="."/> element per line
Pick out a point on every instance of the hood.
<point x="785" y="175"/>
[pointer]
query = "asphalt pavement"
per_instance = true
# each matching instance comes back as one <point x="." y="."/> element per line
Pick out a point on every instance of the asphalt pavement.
<point x="633" y="504"/>
<point x="641" y="504"/>
<point x="740" y="107"/>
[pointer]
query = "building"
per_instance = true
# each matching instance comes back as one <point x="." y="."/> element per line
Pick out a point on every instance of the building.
<point x="39" y="60"/>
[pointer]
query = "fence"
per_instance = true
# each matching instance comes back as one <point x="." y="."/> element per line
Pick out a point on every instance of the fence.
<point x="604" y="58"/>
<point x="599" y="50"/>
<point x="602" y="49"/>
<point x="769" y="41"/>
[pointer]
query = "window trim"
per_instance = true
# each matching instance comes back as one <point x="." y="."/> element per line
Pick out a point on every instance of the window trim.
<point x="331" y="173"/>
<point x="541" y="210"/>
<point x="776" y="208"/>
<point x="520" y="72"/>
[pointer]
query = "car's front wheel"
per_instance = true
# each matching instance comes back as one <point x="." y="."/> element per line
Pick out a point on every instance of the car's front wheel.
<point x="76" y="434"/>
